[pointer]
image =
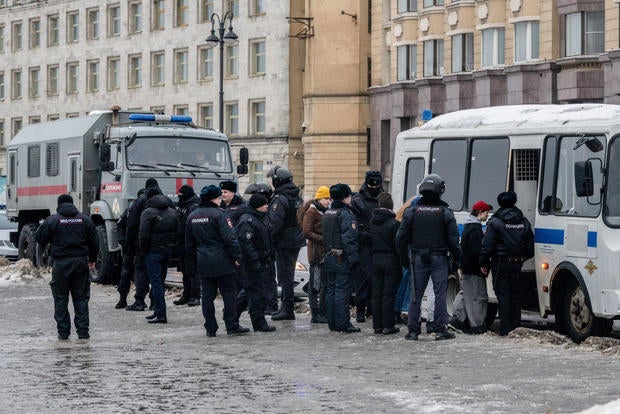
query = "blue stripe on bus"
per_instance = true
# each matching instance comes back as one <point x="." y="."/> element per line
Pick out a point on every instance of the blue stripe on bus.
<point x="556" y="236"/>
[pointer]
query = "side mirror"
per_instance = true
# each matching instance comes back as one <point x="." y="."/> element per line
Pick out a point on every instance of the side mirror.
<point x="104" y="152"/>
<point x="107" y="166"/>
<point x="244" y="156"/>
<point x="242" y="169"/>
<point x="584" y="182"/>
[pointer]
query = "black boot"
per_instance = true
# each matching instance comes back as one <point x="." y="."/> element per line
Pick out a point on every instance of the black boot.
<point x="138" y="305"/>
<point x="181" y="301"/>
<point x="122" y="303"/>
<point x="284" y="314"/>
<point x="193" y="302"/>
<point x="318" y="318"/>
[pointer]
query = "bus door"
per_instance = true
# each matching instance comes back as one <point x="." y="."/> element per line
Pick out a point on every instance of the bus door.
<point x="74" y="179"/>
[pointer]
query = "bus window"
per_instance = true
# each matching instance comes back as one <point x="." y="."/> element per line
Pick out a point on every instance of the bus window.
<point x="612" y="199"/>
<point x="449" y="160"/>
<point x="489" y="169"/>
<point x="546" y="192"/>
<point x="413" y="177"/>
<point x="565" y="186"/>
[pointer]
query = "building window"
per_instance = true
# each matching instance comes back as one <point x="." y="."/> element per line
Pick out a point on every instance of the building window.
<point x="114" y="73"/>
<point x="53" y="31"/>
<point x="16" y="84"/>
<point x="257" y="117"/>
<point x="17" y="36"/>
<point x="206" y="10"/>
<point x="135" y="17"/>
<point x="92" y="16"/>
<point x="206" y="115"/>
<point x="73" y="26"/>
<point x="258" y="60"/>
<point x="232" y="60"/>
<point x="159" y="14"/>
<point x="233" y="6"/>
<point x="93" y="75"/>
<point x="205" y="69"/>
<point x="35" y="33"/>
<point x="114" y="20"/>
<point x="493" y="47"/>
<point x="72" y="115"/>
<point x="158" y="68"/>
<point x="72" y="77"/>
<point x="1" y="86"/>
<point x="433" y="58"/>
<point x="16" y="126"/>
<point x="34" y="160"/>
<point x="257" y="7"/>
<point x="34" y="78"/>
<point x="35" y="119"/>
<point x="52" y="80"/>
<point x="53" y="117"/>
<point x="431" y="3"/>
<point x="181" y="66"/>
<point x="585" y="33"/>
<point x="158" y="110"/>
<point x="1" y="38"/>
<point x="232" y="118"/>
<point x="182" y="110"/>
<point x="52" y="158"/>
<point x="2" y="133"/>
<point x="258" y="175"/>
<point x="526" y="41"/>
<point x="407" y="6"/>
<point x="135" y="71"/>
<point x="463" y="52"/>
<point x="407" y="61"/>
<point x="181" y="11"/>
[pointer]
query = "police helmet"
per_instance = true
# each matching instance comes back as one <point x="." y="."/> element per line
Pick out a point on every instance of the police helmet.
<point x="432" y="183"/>
<point x="260" y="188"/>
<point x="280" y="176"/>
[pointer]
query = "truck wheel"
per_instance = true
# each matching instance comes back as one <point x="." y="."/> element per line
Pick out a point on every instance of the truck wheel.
<point x="43" y="255"/>
<point x="577" y="317"/>
<point x="27" y="245"/>
<point x="105" y="266"/>
<point x="491" y="313"/>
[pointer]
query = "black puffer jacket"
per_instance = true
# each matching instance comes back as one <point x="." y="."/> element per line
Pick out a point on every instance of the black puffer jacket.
<point x="508" y="233"/>
<point x="184" y="209"/>
<point x="471" y="244"/>
<point x="285" y="230"/>
<point x="133" y="220"/>
<point x="363" y="204"/>
<point x="254" y="239"/>
<point x="211" y="242"/>
<point x="158" y="226"/>
<point x="70" y="233"/>
<point x="383" y="229"/>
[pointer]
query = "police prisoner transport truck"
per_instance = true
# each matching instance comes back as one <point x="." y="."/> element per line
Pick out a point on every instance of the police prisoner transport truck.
<point x="102" y="160"/>
<point x="563" y="161"/>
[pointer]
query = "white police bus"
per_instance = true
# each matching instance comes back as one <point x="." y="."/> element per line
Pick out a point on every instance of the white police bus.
<point x="563" y="161"/>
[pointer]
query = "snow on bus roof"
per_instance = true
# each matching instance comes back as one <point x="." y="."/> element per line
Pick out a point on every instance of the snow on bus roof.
<point x="524" y="116"/>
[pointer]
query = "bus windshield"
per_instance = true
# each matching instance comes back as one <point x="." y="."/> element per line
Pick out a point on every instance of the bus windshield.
<point x="201" y="153"/>
<point x="612" y="199"/>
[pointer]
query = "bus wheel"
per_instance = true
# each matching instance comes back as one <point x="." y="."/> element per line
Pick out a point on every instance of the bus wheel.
<point x="27" y="245"/>
<point x="105" y="266"/>
<point x="577" y="317"/>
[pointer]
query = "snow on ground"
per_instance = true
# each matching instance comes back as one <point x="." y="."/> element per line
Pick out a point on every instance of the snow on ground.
<point x="612" y="407"/>
<point x="22" y="271"/>
<point x="606" y="345"/>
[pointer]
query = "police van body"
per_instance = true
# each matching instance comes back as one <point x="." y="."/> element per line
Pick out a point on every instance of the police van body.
<point x="563" y="161"/>
<point x="102" y="160"/>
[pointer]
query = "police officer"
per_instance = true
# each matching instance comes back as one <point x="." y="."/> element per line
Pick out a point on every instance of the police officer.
<point x="213" y="250"/>
<point x="230" y="199"/>
<point x="255" y="243"/>
<point x="430" y="229"/>
<point x="340" y="238"/>
<point x="507" y="243"/>
<point x="363" y="204"/>
<point x="286" y="235"/>
<point x="74" y="247"/>
<point x="188" y="202"/>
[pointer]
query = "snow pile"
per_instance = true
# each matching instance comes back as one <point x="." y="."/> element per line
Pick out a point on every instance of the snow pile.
<point x="21" y="271"/>
<point x="609" y="408"/>
<point x="610" y="346"/>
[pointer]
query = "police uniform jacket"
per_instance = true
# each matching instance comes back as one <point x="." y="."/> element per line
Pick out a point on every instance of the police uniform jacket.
<point x="211" y="241"/>
<point x="235" y="209"/>
<point x="158" y="227"/>
<point x="70" y="234"/>
<point x="285" y="230"/>
<point x="254" y="239"/>
<point x="509" y="233"/>
<point x="340" y="231"/>
<point x="184" y="208"/>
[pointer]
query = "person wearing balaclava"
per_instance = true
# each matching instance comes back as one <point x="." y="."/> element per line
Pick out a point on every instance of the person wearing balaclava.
<point x="188" y="202"/>
<point x="507" y="243"/>
<point x="363" y="204"/>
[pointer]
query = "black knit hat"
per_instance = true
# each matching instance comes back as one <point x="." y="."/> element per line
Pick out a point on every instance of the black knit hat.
<point x="65" y="198"/>
<point x="339" y="191"/>
<point x="186" y="190"/>
<point x="507" y="199"/>
<point x="151" y="182"/>
<point x="258" y="200"/>
<point x="210" y="192"/>
<point x="229" y="186"/>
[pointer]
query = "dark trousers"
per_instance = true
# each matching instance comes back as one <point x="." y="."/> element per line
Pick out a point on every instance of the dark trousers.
<point x="316" y="297"/>
<point x="191" y="281"/>
<point x="362" y="280"/>
<point x="338" y="292"/>
<point x="70" y="275"/>
<point x="226" y="286"/>
<point x="437" y="271"/>
<point x="157" y="268"/>
<point x="285" y="262"/>
<point x="140" y="278"/>
<point x="386" y="277"/>
<point x="270" y="287"/>
<point x="253" y="286"/>
<point x="124" y="284"/>
<point x="506" y="286"/>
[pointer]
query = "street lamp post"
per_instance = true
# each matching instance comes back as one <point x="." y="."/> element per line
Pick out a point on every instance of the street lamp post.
<point x="224" y="37"/>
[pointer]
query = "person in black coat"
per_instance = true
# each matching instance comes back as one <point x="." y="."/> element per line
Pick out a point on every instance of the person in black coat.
<point x="286" y="235"/>
<point x="188" y="202"/>
<point x="213" y="249"/>
<point x="386" y="270"/>
<point x="255" y="244"/>
<point x="158" y="233"/>
<point x="73" y="248"/>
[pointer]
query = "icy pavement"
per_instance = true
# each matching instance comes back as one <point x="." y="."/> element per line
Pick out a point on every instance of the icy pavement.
<point x="130" y="366"/>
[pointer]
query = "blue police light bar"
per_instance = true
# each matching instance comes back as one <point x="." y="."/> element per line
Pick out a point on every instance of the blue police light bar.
<point x="160" y="118"/>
